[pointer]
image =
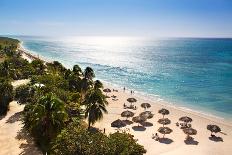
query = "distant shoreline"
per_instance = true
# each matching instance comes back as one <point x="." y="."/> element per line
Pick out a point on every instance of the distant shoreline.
<point x="26" y="54"/>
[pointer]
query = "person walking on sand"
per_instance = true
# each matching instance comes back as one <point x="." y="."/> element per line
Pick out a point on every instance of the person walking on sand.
<point x="124" y="89"/>
<point x="131" y="92"/>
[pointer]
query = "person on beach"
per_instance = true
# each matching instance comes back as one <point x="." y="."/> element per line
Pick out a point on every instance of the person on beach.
<point x="131" y="92"/>
<point x="156" y="137"/>
<point x="124" y="89"/>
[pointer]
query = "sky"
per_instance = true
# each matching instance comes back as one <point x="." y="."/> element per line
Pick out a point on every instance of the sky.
<point x="149" y="18"/>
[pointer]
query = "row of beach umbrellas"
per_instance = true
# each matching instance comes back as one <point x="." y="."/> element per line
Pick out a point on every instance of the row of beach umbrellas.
<point x="142" y="117"/>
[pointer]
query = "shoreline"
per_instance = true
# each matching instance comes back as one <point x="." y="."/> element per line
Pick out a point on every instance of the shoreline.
<point x="28" y="55"/>
<point x="163" y="102"/>
<point x="202" y="144"/>
<point x="152" y="99"/>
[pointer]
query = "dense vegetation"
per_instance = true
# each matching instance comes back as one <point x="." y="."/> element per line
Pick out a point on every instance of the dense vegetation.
<point x="57" y="103"/>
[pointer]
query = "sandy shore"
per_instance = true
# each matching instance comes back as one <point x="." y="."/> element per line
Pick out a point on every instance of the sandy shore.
<point x="176" y="144"/>
<point x="29" y="56"/>
<point x="13" y="139"/>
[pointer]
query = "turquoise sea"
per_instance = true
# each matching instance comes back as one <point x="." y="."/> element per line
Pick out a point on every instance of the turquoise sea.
<point x="194" y="73"/>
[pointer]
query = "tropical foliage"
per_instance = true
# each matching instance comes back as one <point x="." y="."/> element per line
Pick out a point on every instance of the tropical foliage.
<point x="45" y="119"/>
<point x="25" y="94"/>
<point x="58" y="101"/>
<point x="6" y="95"/>
<point x="95" y="106"/>
<point x="75" y="139"/>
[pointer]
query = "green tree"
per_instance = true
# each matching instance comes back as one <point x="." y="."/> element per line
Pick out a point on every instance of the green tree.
<point x="75" y="139"/>
<point x="6" y="95"/>
<point x="77" y="70"/>
<point x="25" y="94"/>
<point x="89" y="73"/>
<point x="5" y="69"/>
<point x="98" y="84"/>
<point x="95" y="103"/>
<point x="45" y="119"/>
<point x="124" y="144"/>
<point x="39" y="66"/>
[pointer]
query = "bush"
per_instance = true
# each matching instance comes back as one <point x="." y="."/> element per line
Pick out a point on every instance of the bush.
<point x="6" y="95"/>
<point x="75" y="139"/>
<point x="25" y="93"/>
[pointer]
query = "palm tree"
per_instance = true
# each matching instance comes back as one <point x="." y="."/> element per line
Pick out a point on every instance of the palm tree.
<point x="98" y="84"/>
<point x="47" y="118"/>
<point x="89" y="73"/>
<point x="77" y="70"/>
<point x="74" y="82"/>
<point x="95" y="103"/>
<point x="5" y="69"/>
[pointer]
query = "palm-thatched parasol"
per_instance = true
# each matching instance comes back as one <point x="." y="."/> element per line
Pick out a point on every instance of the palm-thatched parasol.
<point x="145" y="105"/>
<point x="186" y="119"/>
<point x="190" y="131"/>
<point x="127" y="114"/>
<point x="107" y="90"/>
<point x="163" y="112"/>
<point x="146" y="114"/>
<point x="118" y="123"/>
<point x="213" y="128"/>
<point x="139" y="119"/>
<point x="164" y="130"/>
<point x="131" y="100"/>
<point x="164" y="121"/>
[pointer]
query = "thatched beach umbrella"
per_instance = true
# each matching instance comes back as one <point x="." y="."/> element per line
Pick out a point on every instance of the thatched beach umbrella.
<point x="186" y="119"/>
<point x="213" y="128"/>
<point x="163" y="112"/>
<point x="107" y="90"/>
<point x="190" y="131"/>
<point x="164" y="130"/>
<point x="118" y="123"/>
<point x="164" y="121"/>
<point x="127" y="114"/>
<point x="139" y="119"/>
<point x="146" y="114"/>
<point x="145" y="105"/>
<point x="131" y="100"/>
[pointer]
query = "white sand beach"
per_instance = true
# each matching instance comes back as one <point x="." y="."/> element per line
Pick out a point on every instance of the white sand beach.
<point x="175" y="142"/>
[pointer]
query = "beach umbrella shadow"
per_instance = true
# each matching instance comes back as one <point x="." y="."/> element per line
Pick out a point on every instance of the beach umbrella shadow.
<point x="216" y="139"/>
<point x="165" y="140"/>
<point x="138" y="128"/>
<point x="118" y="123"/>
<point x="191" y="142"/>
<point x="146" y="124"/>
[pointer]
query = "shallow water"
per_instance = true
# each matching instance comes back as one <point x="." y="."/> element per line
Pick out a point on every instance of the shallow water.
<point x="194" y="73"/>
